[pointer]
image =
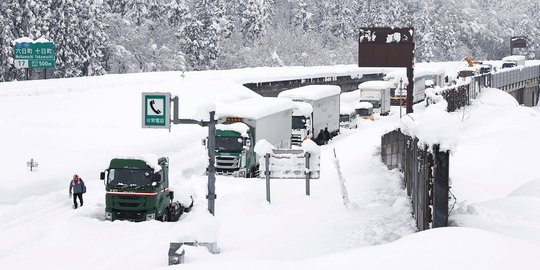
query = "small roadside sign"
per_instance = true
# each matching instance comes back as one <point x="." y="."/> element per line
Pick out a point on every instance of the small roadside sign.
<point x="156" y="110"/>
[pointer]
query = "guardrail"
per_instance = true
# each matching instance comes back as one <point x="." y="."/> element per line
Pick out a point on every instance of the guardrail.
<point x="510" y="80"/>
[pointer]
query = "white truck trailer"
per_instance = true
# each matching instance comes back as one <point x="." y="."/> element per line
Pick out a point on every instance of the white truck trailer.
<point x="324" y="102"/>
<point x="347" y="112"/>
<point x="378" y="94"/>
<point x="242" y="124"/>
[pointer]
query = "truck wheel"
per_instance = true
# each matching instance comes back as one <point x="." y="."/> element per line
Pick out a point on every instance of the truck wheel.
<point x="165" y="216"/>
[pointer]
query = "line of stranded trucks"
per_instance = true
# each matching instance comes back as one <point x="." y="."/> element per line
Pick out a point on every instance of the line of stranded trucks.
<point x="137" y="188"/>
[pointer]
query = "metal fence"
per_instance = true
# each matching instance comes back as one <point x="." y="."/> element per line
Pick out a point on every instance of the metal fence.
<point x="514" y="75"/>
<point x="509" y="80"/>
<point x="425" y="176"/>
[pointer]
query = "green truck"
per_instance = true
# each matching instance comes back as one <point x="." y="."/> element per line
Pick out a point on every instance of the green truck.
<point x="242" y="124"/>
<point x="137" y="189"/>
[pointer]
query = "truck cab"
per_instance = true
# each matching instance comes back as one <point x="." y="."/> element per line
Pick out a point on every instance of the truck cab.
<point x="234" y="149"/>
<point x="137" y="189"/>
<point x="242" y="124"/>
<point x="468" y="72"/>
<point x="316" y="107"/>
<point x="302" y="127"/>
<point x="378" y="94"/>
<point x="364" y="110"/>
<point x="347" y="117"/>
<point x="513" y="61"/>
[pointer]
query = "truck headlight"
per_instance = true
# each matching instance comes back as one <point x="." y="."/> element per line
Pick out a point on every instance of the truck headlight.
<point x="150" y="216"/>
<point x="108" y="216"/>
<point x="242" y="173"/>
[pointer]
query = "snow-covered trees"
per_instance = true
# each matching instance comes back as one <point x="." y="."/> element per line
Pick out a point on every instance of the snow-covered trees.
<point x="150" y="35"/>
<point x="301" y="16"/>
<point x="79" y="37"/>
<point x="337" y="18"/>
<point x="252" y="20"/>
<point x="202" y="44"/>
<point x="75" y="27"/>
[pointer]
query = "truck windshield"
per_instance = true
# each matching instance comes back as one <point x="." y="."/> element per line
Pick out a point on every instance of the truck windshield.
<point x="298" y="122"/>
<point x="130" y="177"/>
<point x="465" y="73"/>
<point x="229" y="144"/>
<point x="375" y="103"/>
<point x="343" y="118"/>
<point x="363" y="112"/>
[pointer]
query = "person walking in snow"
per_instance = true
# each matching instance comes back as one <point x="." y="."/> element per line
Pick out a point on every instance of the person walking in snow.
<point x="78" y="187"/>
<point x="327" y="135"/>
<point x="320" y="140"/>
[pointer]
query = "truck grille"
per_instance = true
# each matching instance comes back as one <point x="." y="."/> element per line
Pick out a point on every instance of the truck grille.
<point x="226" y="162"/>
<point x="129" y="215"/>
<point x="128" y="202"/>
<point x="296" y="139"/>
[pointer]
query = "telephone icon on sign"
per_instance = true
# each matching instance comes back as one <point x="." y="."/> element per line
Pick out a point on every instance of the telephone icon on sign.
<point x="156" y="111"/>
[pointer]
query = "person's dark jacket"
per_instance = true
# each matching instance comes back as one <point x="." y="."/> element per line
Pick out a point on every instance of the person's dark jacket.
<point x="327" y="135"/>
<point x="77" y="186"/>
<point x="321" y="139"/>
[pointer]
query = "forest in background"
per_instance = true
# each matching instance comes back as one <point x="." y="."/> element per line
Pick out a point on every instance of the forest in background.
<point x="95" y="37"/>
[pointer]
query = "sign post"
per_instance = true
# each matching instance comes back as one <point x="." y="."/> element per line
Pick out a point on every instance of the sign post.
<point x="156" y="113"/>
<point x="32" y="164"/>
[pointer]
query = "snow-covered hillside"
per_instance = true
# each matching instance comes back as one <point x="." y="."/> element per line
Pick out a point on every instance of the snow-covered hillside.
<point x="76" y="125"/>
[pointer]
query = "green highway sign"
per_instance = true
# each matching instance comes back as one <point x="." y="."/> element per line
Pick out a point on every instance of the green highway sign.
<point x="156" y="110"/>
<point x="33" y="54"/>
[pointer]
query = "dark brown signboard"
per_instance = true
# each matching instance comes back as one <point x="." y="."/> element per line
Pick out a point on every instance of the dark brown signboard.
<point x="385" y="47"/>
<point x="518" y="42"/>
<point x="388" y="47"/>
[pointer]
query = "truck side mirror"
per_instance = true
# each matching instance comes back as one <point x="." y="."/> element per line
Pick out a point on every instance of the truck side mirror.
<point x="102" y="176"/>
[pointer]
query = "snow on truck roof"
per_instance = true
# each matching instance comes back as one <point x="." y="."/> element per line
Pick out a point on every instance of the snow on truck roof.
<point x="150" y="159"/>
<point x="311" y="92"/>
<point x="374" y="85"/>
<point x="302" y="108"/>
<point x="254" y="108"/>
<point x="238" y="127"/>
<point x="514" y="58"/>
<point x="346" y="109"/>
<point x="363" y="105"/>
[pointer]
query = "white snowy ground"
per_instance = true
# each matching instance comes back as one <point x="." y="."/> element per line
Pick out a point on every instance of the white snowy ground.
<point x="76" y="125"/>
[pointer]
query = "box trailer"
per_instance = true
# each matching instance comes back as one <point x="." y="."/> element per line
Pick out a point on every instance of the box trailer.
<point x="378" y="94"/>
<point x="323" y="101"/>
<point x="242" y="124"/>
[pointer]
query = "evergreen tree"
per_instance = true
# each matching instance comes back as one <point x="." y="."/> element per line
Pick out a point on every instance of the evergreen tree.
<point x="5" y="43"/>
<point x="137" y="11"/>
<point x="156" y="12"/>
<point x="203" y="35"/>
<point x="178" y="14"/>
<point x="301" y="17"/>
<point x="78" y="37"/>
<point x="251" y="21"/>
<point x="337" y="18"/>
<point x="93" y="39"/>
<point x="117" y="6"/>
